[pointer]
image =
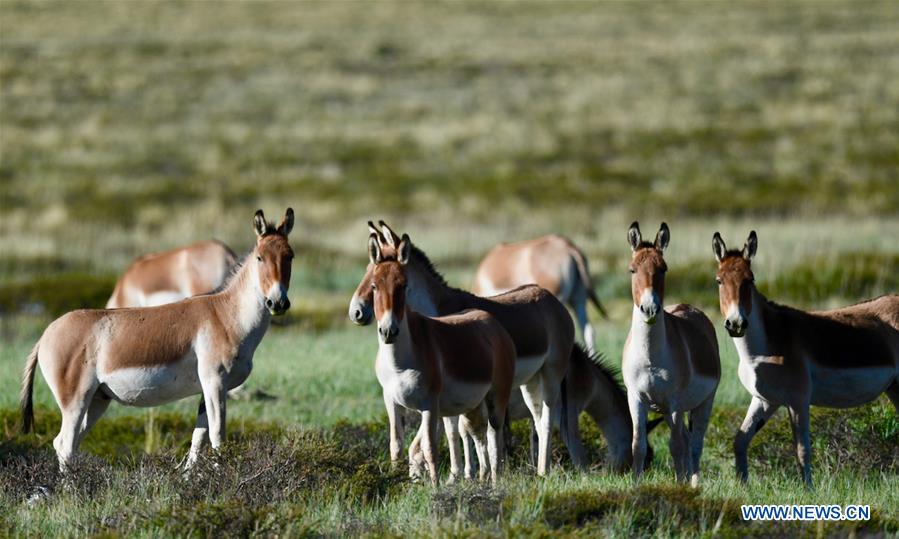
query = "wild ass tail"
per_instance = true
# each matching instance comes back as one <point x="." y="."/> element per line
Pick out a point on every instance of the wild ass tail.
<point x="26" y="402"/>
<point x="581" y="262"/>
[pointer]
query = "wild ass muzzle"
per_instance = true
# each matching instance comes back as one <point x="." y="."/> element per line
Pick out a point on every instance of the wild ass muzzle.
<point x="839" y="358"/>
<point x="551" y="262"/>
<point x="153" y="355"/>
<point x="537" y="322"/>
<point x="457" y="365"/>
<point x="670" y="361"/>
<point x="170" y="276"/>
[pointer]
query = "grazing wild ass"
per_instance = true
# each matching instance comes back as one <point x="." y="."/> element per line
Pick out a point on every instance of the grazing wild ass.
<point x="538" y="323"/>
<point x="552" y="262"/>
<point x="170" y="276"/>
<point x="153" y="355"/>
<point x="456" y="365"/>
<point x="592" y="388"/>
<point x="839" y="358"/>
<point x="670" y="361"/>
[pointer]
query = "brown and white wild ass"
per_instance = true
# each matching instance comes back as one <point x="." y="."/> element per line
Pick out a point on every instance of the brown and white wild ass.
<point x="552" y="262"/>
<point x="169" y="276"/>
<point x="537" y="322"/>
<point x="153" y="355"/>
<point x="839" y="358"/>
<point x="456" y="365"/>
<point x="670" y="361"/>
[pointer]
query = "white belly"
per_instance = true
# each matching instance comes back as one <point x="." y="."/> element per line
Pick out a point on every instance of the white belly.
<point x="658" y="386"/>
<point x="152" y="386"/>
<point x="461" y="397"/>
<point x="406" y="388"/>
<point x="845" y="388"/>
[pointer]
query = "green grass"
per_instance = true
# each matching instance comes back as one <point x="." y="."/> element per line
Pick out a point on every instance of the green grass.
<point x="327" y="417"/>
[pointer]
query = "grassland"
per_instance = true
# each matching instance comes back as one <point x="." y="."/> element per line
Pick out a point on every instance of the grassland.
<point x="133" y="127"/>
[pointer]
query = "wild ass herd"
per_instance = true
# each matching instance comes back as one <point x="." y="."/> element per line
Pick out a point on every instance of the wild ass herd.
<point x="188" y="322"/>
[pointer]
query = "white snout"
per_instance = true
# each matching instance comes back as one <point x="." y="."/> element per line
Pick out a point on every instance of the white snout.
<point x="650" y="305"/>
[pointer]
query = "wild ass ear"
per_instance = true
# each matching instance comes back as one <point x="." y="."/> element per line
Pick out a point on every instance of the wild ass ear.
<point x="287" y="223"/>
<point x="259" y="224"/>
<point x="633" y="235"/>
<point x="393" y="239"/>
<point x="372" y="229"/>
<point x="662" y="237"/>
<point x="374" y="249"/>
<point x="718" y="247"/>
<point x="752" y="243"/>
<point x="404" y="250"/>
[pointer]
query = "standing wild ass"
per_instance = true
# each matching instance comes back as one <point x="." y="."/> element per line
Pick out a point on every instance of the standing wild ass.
<point x="538" y="323"/>
<point x="839" y="358"/>
<point x="170" y="276"/>
<point x="456" y="365"/>
<point x="552" y="262"/>
<point x="153" y="355"/>
<point x="669" y="365"/>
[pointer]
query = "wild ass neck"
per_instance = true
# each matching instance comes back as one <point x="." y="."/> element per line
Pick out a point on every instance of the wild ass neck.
<point x="754" y="342"/>
<point x="649" y="341"/>
<point x="400" y="354"/>
<point x="429" y="294"/>
<point x="241" y="304"/>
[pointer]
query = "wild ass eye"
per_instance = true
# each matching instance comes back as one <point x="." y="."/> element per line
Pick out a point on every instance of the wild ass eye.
<point x="718" y="280"/>
<point x="259" y="258"/>
<point x="632" y="270"/>
<point x="373" y="286"/>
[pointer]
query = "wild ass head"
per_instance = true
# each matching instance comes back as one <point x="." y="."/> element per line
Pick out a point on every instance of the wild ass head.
<point x="361" y="309"/>
<point x="388" y="285"/>
<point x="735" y="282"/>
<point x="648" y="269"/>
<point x="273" y="257"/>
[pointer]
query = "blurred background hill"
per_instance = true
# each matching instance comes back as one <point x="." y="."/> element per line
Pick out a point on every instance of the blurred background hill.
<point x="132" y="127"/>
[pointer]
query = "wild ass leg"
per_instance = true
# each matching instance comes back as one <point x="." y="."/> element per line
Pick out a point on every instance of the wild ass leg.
<point x="535" y="444"/>
<point x="430" y="419"/>
<point x="98" y="406"/>
<point x="679" y="445"/>
<point x="699" y="422"/>
<point x="638" y="419"/>
<point x="467" y="451"/>
<point x="395" y="432"/>
<point x="451" y="429"/>
<point x="496" y="418"/>
<point x="758" y="413"/>
<point x="799" y="421"/>
<point x="475" y="423"/>
<point x="416" y="457"/>
<point x="542" y="399"/>
<point x="66" y="442"/>
<point x="579" y="304"/>
<point x="199" y="437"/>
<point x="215" y="398"/>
